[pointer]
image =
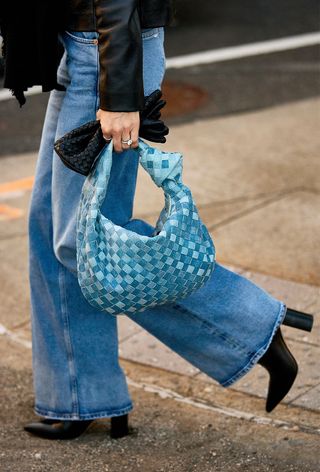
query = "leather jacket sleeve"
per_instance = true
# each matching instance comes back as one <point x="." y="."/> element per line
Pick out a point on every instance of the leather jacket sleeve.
<point x="120" y="55"/>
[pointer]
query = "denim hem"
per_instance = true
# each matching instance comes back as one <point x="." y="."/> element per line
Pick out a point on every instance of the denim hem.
<point x="84" y="416"/>
<point x="258" y="354"/>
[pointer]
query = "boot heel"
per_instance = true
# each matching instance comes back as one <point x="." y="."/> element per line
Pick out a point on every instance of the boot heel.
<point x="282" y="368"/>
<point x="298" y="319"/>
<point x="119" y="426"/>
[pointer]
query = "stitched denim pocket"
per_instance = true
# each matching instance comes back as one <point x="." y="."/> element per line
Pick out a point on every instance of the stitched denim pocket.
<point x="86" y="37"/>
<point x="149" y="33"/>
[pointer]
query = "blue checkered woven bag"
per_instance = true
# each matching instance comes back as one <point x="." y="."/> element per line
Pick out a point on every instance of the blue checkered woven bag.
<point x="120" y="271"/>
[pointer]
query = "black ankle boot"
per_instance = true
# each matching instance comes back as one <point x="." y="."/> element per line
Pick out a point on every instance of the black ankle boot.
<point x="282" y="368"/>
<point x="279" y="361"/>
<point x="58" y="429"/>
<point x="119" y="426"/>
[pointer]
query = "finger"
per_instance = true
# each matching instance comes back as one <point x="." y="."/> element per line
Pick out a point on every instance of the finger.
<point x="117" y="145"/>
<point x="126" y="136"/>
<point x="135" y="137"/>
<point x="107" y="134"/>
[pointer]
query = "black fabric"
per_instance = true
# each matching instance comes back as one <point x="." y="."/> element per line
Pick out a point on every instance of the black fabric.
<point x="32" y="50"/>
<point x="152" y="13"/>
<point x="30" y="47"/>
<point x="155" y="13"/>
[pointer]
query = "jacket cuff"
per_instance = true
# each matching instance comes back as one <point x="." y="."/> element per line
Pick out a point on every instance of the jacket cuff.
<point x="125" y="102"/>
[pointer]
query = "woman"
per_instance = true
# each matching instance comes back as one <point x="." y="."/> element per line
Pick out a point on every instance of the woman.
<point x="113" y="56"/>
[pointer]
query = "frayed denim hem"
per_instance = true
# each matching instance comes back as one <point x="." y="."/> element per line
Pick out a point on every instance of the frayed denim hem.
<point x="259" y="353"/>
<point x="85" y="416"/>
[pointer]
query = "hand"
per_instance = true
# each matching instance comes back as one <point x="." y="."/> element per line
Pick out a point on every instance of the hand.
<point x="120" y="126"/>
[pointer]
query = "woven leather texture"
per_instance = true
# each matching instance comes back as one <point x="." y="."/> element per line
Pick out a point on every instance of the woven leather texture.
<point x="120" y="271"/>
<point x="79" y="148"/>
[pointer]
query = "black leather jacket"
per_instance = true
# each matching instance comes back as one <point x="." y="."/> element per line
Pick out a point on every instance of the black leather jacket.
<point x="119" y="24"/>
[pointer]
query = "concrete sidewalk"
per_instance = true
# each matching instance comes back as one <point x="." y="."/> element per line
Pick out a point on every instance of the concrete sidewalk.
<point x="255" y="178"/>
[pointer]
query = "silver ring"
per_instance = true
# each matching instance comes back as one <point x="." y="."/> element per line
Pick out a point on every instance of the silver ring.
<point x="128" y="142"/>
<point x="107" y="139"/>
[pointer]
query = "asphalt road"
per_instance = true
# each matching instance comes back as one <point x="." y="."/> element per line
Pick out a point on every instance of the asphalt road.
<point x="166" y="435"/>
<point x="227" y="87"/>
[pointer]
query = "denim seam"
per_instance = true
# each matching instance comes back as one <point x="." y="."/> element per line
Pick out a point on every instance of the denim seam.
<point x="84" y="416"/>
<point x="78" y="39"/>
<point x="213" y="329"/>
<point x="67" y="337"/>
<point x="97" y="79"/>
<point x="152" y="33"/>
<point x="259" y="353"/>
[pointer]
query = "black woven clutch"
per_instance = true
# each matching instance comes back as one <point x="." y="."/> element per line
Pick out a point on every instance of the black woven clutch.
<point x="79" y="148"/>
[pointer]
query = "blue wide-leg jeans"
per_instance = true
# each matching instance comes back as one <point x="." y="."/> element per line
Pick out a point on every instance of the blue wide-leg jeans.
<point x="222" y="329"/>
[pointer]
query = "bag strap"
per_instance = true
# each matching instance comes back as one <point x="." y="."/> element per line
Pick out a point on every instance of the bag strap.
<point x="160" y="165"/>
